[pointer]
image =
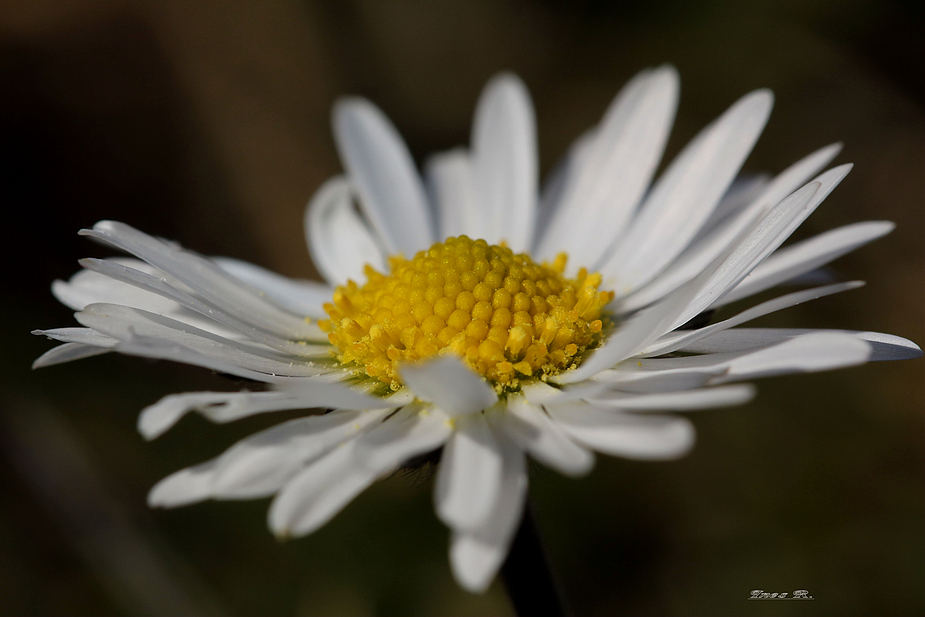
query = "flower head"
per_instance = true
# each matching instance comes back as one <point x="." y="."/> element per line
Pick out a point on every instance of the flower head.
<point x="469" y="313"/>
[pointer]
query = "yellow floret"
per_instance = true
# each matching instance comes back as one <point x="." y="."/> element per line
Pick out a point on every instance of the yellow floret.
<point x="506" y="316"/>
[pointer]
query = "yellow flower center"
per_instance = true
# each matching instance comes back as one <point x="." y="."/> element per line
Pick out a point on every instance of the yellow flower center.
<point x="508" y="317"/>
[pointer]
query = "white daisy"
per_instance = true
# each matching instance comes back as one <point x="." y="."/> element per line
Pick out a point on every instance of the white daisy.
<point x="472" y="332"/>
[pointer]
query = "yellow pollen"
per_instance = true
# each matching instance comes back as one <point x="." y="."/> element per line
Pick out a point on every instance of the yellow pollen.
<point x="506" y="316"/>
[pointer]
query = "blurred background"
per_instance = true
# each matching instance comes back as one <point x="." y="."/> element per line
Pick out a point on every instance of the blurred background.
<point x="208" y="122"/>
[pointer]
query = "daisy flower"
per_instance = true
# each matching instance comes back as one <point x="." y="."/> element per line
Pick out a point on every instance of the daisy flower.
<point x="468" y="313"/>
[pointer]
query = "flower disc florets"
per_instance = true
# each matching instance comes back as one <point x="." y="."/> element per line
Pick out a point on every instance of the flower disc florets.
<point x="507" y="316"/>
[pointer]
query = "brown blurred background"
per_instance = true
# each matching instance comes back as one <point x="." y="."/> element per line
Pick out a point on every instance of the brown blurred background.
<point x="208" y="122"/>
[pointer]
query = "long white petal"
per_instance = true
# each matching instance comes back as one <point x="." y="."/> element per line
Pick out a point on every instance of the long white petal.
<point x="531" y="429"/>
<point x="137" y="329"/>
<point x="450" y="384"/>
<point x="67" y="352"/>
<point x="209" y="312"/>
<point x="228" y="406"/>
<point x="682" y="338"/>
<point x="184" y="487"/>
<point x="769" y="234"/>
<point x="706" y="398"/>
<point x="685" y="196"/>
<point x="339" y="241"/>
<point x="449" y="182"/>
<point x="882" y="346"/>
<point x="637" y="436"/>
<point x="603" y="191"/>
<point x="719" y="236"/>
<point x="259" y="465"/>
<point x="297" y="295"/>
<point x="476" y="556"/>
<point x="792" y="261"/>
<point x="319" y="492"/>
<point x="208" y="280"/>
<point x="469" y="478"/>
<point x="415" y="429"/>
<point x="819" y="351"/>
<point x="380" y="166"/>
<point x="504" y="163"/>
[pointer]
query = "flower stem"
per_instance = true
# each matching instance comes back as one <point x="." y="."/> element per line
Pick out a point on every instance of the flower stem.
<point x="528" y="576"/>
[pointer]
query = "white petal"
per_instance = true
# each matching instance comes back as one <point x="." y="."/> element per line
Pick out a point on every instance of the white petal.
<point x="504" y="163"/>
<point x="297" y="295"/>
<point x="820" y="351"/>
<point x="259" y="465"/>
<point x="469" y="478"/>
<point x="476" y="556"/>
<point x="769" y="234"/>
<point x="82" y="336"/>
<point x="789" y="262"/>
<point x="450" y="384"/>
<point x="531" y="429"/>
<point x="883" y="346"/>
<point x="687" y="193"/>
<point x="805" y="351"/>
<point x="741" y="193"/>
<point x="414" y="430"/>
<point x="637" y="436"/>
<point x="153" y="336"/>
<point x="67" y="353"/>
<point x="719" y="236"/>
<point x="556" y="184"/>
<point x="86" y="287"/>
<point x="379" y="165"/>
<point x="449" y="182"/>
<point x="210" y="282"/>
<point x="338" y="239"/>
<point x="706" y="398"/>
<point x="228" y="406"/>
<point x="657" y="381"/>
<point x="206" y="311"/>
<point x="683" y="338"/>
<point x="183" y="487"/>
<point x="640" y="330"/>
<point x="603" y="191"/>
<point x="319" y="492"/>
<point x="133" y="325"/>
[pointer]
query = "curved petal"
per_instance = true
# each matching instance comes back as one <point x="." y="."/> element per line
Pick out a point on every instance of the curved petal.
<point x="602" y="193"/>
<point x="682" y="338"/>
<point x="504" y="163"/>
<point x="229" y="406"/>
<point x="469" y="478"/>
<point x="792" y="261"/>
<point x="338" y="240"/>
<point x="67" y="353"/>
<point x="318" y="492"/>
<point x="475" y="556"/>
<point x="450" y="384"/>
<point x="204" y="277"/>
<point x="882" y="346"/>
<point x="150" y="335"/>
<point x="531" y="429"/>
<point x="415" y="429"/>
<point x="379" y="165"/>
<point x="449" y="183"/>
<point x="637" y="436"/>
<point x="687" y="193"/>
<point x="719" y="236"/>
<point x="705" y="398"/>
<point x="300" y="296"/>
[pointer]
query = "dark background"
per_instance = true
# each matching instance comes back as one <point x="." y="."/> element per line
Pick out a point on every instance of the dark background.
<point x="208" y="122"/>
